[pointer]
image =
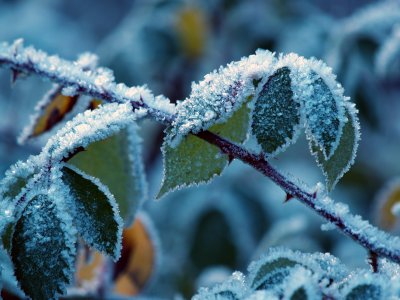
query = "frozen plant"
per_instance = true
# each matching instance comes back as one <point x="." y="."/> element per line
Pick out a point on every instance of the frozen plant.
<point x="250" y="110"/>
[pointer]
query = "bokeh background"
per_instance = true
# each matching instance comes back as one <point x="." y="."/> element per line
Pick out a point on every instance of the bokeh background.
<point x="207" y="232"/>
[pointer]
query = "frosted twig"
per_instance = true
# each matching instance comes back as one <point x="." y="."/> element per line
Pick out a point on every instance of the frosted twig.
<point x="68" y="74"/>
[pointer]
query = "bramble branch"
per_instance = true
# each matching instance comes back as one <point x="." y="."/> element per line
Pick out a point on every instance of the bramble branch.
<point x="69" y="74"/>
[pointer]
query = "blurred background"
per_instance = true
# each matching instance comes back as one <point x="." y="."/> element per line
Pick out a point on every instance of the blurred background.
<point x="207" y="232"/>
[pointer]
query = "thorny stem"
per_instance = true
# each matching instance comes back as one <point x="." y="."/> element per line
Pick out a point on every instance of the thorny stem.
<point x="258" y="162"/>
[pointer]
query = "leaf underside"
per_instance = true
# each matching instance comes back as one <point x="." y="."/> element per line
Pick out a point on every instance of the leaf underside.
<point x="41" y="251"/>
<point x="96" y="220"/>
<point x="322" y="117"/>
<point x="195" y="161"/>
<point x="276" y="115"/>
<point x="343" y="157"/>
<point x="276" y="268"/>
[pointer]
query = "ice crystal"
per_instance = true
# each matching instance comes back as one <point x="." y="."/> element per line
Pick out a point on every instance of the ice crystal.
<point x="214" y="99"/>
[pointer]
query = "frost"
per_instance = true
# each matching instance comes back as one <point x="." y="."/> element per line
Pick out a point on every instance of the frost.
<point x="195" y="161"/>
<point x="87" y="61"/>
<point x="232" y="289"/>
<point x="44" y="247"/>
<point x="95" y="211"/>
<point x="377" y="239"/>
<point x="301" y="284"/>
<point x="340" y="162"/>
<point x="219" y="95"/>
<point x="276" y="116"/>
<point x="366" y="286"/>
<point x="87" y="128"/>
<point x="79" y="78"/>
<point x="48" y="112"/>
<point x="277" y="263"/>
<point x="120" y="152"/>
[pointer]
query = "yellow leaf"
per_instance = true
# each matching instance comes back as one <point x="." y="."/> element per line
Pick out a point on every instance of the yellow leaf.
<point x="388" y="197"/>
<point x="191" y="29"/>
<point x="53" y="112"/>
<point x="137" y="263"/>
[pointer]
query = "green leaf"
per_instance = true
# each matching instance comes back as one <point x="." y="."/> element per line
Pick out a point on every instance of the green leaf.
<point x="116" y="162"/>
<point x="96" y="213"/>
<point x="343" y="157"/>
<point x="195" y="161"/>
<point x="272" y="272"/>
<point x="6" y="236"/>
<point x="276" y="116"/>
<point x="43" y="248"/>
<point x="323" y="116"/>
<point x="15" y="187"/>
<point x="365" y="291"/>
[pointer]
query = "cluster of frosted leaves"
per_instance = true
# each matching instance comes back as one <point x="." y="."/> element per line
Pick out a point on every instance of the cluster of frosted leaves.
<point x="46" y="203"/>
<point x="285" y="274"/>
<point x="270" y="99"/>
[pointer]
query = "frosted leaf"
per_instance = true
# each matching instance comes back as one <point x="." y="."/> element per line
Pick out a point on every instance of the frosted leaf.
<point x="89" y="127"/>
<point x="195" y="161"/>
<point x="95" y="212"/>
<point x="120" y="153"/>
<point x="324" y="116"/>
<point x="43" y="248"/>
<point x="276" y="116"/>
<point x="365" y="285"/>
<point x="276" y="264"/>
<point x="87" y="61"/>
<point x="48" y="112"/>
<point x="232" y="289"/>
<point x="301" y="284"/>
<point x="213" y="100"/>
<point x="343" y="157"/>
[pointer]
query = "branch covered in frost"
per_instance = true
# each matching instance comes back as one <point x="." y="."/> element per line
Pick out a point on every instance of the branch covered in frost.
<point x="99" y="83"/>
<point x="76" y="79"/>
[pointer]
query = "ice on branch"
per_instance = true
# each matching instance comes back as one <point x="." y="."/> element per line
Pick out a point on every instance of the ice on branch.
<point x="78" y="78"/>
<point x="214" y="99"/>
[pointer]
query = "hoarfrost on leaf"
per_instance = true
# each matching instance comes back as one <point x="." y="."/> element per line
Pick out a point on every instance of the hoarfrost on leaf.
<point x="95" y="211"/>
<point x="214" y="99"/>
<point x="195" y="161"/>
<point x="343" y="157"/>
<point x="43" y="248"/>
<point x="276" y="116"/>
<point x="121" y="153"/>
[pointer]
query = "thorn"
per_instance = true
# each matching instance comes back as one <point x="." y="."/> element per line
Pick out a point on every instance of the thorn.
<point x="314" y="195"/>
<point x="373" y="261"/>
<point x="230" y="158"/>
<point x="288" y="197"/>
<point x="76" y="151"/>
<point x="14" y="76"/>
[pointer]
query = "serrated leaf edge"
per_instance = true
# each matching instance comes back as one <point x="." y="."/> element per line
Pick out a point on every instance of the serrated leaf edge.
<point x="114" y="205"/>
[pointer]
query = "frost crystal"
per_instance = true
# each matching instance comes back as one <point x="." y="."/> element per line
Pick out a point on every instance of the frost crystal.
<point x="219" y="95"/>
